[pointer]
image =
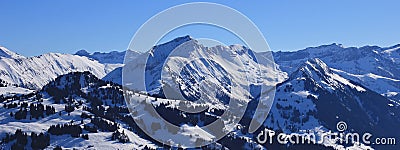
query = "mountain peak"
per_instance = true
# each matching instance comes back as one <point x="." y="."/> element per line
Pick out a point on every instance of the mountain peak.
<point x="165" y="48"/>
<point x="317" y="64"/>
<point x="184" y="38"/>
<point x="177" y="41"/>
<point x="4" y="52"/>
<point x="316" y="70"/>
<point x="82" y="53"/>
<point x="312" y="68"/>
<point x="329" y="46"/>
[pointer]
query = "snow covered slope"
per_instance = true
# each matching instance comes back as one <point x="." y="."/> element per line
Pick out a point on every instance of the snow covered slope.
<point x="4" y="52"/>
<point x="80" y="100"/>
<point x="315" y="98"/>
<point x="94" y="108"/>
<point x="315" y="94"/>
<point x="218" y="62"/>
<point x="35" y="72"/>
<point x="374" y="67"/>
<point x="11" y="91"/>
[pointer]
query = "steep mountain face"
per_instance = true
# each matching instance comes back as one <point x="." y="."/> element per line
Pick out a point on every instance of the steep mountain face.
<point x="374" y="67"/>
<point x="113" y="57"/>
<point x="35" y="72"/>
<point x="314" y="96"/>
<point x="136" y="66"/>
<point x="173" y="59"/>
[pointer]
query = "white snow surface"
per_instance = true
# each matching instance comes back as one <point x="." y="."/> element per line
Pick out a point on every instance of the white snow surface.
<point x="35" y="72"/>
<point x="10" y="91"/>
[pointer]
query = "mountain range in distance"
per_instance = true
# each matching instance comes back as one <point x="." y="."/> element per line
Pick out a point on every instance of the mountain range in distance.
<point x="317" y="87"/>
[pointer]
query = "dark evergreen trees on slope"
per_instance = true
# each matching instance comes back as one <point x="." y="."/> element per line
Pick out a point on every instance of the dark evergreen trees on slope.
<point x="50" y="110"/>
<point x="104" y="124"/>
<point x="60" y="129"/>
<point x="120" y="136"/>
<point x="69" y="108"/>
<point x="39" y="141"/>
<point x="21" y="114"/>
<point x="85" y="136"/>
<point x="35" y="110"/>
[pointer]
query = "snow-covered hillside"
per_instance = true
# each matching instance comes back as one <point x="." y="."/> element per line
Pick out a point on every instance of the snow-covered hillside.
<point x="75" y="100"/>
<point x="4" y="52"/>
<point x="315" y="99"/>
<point x="35" y="72"/>
<point x="315" y="95"/>
<point x="80" y="111"/>
<point x="374" y="67"/>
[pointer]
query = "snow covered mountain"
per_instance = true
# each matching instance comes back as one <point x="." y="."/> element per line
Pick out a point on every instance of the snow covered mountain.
<point x="318" y="87"/>
<point x="316" y="95"/>
<point x="177" y="54"/>
<point x="314" y="98"/>
<point x="76" y="110"/>
<point x="4" y="52"/>
<point x="35" y="72"/>
<point x="374" y="67"/>
<point x="113" y="57"/>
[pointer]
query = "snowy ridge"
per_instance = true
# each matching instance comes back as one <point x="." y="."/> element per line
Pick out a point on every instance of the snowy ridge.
<point x="362" y="60"/>
<point x="375" y="67"/>
<point x="392" y="53"/>
<point x="318" y="70"/>
<point x="314" y="98"/>
<point x="35" y="72"/>
<point x="221" y="62"/>
<point x="4" y="52"/>
<point x="113" y="57"/>
<point x="386" y="86"/>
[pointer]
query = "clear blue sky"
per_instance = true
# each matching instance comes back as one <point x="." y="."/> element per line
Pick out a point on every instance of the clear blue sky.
<point x="35" y="27"/>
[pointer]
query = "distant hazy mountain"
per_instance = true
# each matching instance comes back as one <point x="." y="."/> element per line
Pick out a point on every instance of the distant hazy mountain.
<point x="113" y="57"/>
